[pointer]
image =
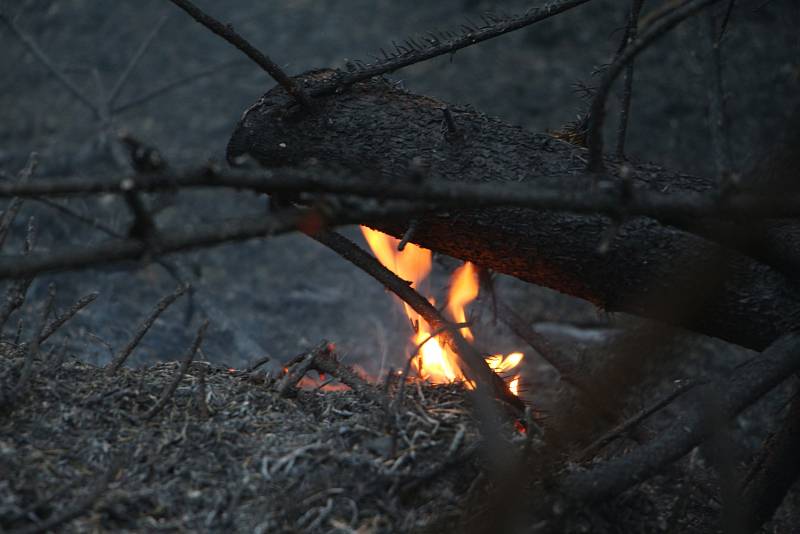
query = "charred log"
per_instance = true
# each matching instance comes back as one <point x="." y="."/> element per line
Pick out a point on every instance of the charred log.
<point x="647" y="267"/>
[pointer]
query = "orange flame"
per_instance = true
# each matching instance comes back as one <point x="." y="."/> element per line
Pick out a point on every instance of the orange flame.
<point x="436" y="362"/>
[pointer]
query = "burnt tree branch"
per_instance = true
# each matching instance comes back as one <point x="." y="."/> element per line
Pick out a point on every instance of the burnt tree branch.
<point x="598" y="109"/>
<point x="475" y="365"/>
<point x="699" y="409"/>
<point x="651" y="268"/>
<point x="227" y="32"/>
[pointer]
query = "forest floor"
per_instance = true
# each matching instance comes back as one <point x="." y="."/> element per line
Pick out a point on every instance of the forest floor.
<point x="258" y="459"/>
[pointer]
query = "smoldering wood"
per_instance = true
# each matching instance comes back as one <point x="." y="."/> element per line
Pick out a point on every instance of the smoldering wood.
<point x="651" y="268"/>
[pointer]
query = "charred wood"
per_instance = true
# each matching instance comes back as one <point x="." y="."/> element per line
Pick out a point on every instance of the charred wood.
<point x="651" y="268"/>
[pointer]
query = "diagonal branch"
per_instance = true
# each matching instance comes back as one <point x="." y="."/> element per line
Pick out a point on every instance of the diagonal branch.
<point x="434" y="45"/>
<point x="141" y="99"/>
<point x="227" y="32"/>
<point x="120" y="83"/>
<point x="694" y="424"/>
<point x="475" y="365"/>
<point x="34" y="48"/>
<point x="598" y="110"/>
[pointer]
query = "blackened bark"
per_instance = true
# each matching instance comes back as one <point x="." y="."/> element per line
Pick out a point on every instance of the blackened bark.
<point x="650" y="268"/>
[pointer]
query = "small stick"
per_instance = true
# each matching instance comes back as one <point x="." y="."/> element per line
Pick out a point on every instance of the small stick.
<point x="200" y="393"/>
<point x="8" y="402"/>
<point x="55" y="365"/>
<point x="409" y="235"/>
<point x="30" y="236"/>
<point x="743" y="387"/>
<point x="295" y="372"/>
<point x="39" y="54"/>
<point x="62" y="319"/>
<point x="159" y="308"/>
<point x="327" y="362"/>
<point x="15" y="296"/>
<point x="227" y="32"/>
<point x="451" y="131"/>
<point x="171" y="269"/>
<point x="717" y="117"/>
<point x="18" y="336"/>
<point x="94" y="223"/>
<point x="120" y="83"/>
<point x="627" y="92"/>
<point x="173" y="385"/>
<point x="258" y="364"/>
<point x="175" y="84"/>
<point x="596" y="163"/>
<point x="16" y="203"/>
<point x="626" y="426"/>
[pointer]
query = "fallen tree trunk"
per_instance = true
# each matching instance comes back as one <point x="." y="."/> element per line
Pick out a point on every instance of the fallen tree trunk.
<point x="648" y="267"/>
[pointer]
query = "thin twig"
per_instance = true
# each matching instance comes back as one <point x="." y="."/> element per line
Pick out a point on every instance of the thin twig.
<point x="258" y="363"/>
<point x="10" y="399"/>
<point x="14" y="206"/>
<point x="89" y="221"/>
<point x="120" y="83"/>
<point x="200" y="393"/>
<point x="155" y="313"/>
<point x="227" y="32"/>
<point x="34" y="48"/>
<point x="62" y="319"/>
<point x="169" y="390"/>
<point x="627" y="92"/>
<point x="596" y="162"/>
<point x="729" y="397"/>
<point x="170" y="268"/>
<point x="296" y="370"/>
<point x="626" y="426"/>
<point x="328" y="363"/>
<point x="439" y="45"/>
<point x="17" y="291"/>
<point x="717" y="118"/>
<point x="175" y="84"/>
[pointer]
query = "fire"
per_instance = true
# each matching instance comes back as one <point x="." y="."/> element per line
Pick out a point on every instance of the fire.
<point x="436" y="362"/>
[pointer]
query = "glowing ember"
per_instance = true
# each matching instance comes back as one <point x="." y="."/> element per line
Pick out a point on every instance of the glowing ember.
<point x="436" y="362"/>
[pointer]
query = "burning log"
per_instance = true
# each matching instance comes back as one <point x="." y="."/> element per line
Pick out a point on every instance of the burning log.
<point x="646" y="266"/>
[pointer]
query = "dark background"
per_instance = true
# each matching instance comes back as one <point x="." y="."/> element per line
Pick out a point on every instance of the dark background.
<point x="278" y="296"/>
